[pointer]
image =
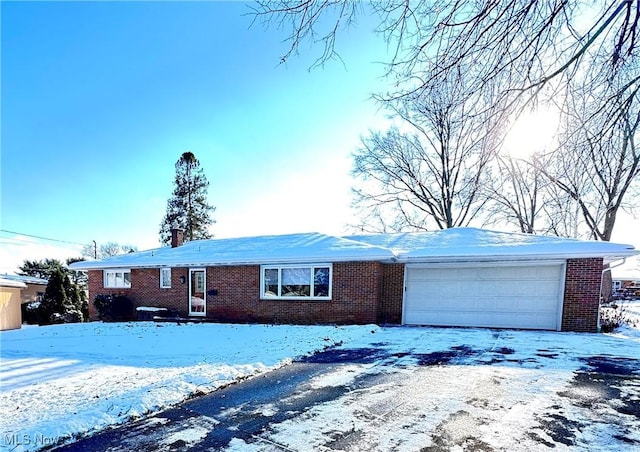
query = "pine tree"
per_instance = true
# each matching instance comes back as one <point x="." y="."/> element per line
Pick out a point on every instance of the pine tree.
<point x="73" y="309"/>
<point x="40" y="268"/>
<point x="55" y="298"/>
<point x="187" y="208"/>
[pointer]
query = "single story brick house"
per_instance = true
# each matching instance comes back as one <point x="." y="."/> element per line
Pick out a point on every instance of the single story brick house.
<point x="455" y="277"/>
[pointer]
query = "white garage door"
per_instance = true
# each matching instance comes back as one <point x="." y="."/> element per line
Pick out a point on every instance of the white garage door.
<point x="525" y="296"/>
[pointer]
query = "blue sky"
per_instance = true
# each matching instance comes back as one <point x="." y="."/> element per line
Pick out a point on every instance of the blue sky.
<point x="99" y="100"/>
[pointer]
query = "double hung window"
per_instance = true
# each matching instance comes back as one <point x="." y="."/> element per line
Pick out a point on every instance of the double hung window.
<point x="165" y="278"/>
<point x="117" y="279"/>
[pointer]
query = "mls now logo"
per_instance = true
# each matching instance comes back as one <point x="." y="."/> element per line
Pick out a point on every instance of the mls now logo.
<point x="26" y="439"/>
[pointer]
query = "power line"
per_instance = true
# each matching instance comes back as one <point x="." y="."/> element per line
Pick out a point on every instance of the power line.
<point x="42" y="238"/>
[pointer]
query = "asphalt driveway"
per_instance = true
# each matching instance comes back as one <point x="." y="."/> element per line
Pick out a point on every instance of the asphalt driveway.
<point x="518" y="391"/>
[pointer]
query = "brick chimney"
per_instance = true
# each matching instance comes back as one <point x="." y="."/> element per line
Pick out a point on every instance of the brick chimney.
<point x="177" y="237"/>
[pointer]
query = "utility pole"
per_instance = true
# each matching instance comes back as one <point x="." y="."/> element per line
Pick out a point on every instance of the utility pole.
<point x="95" y="249"/>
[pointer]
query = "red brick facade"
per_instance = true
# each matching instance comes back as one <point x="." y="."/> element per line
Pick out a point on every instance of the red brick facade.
<point x="582" y="295"/>
<point x="356" y="292"/>
<point x="362" y="293"/>
<point x="392" y="294"/>
<point x="145" y="289"/>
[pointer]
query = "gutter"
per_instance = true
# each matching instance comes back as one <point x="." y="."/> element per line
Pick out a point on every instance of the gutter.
<point x="515" y="257"/>
<point x="272" y="261"/>
<point x="611" y="267"/>
<point x="389" y="257"/>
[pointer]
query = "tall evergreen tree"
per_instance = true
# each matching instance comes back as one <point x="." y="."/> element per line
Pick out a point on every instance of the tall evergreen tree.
<point x="55" y="297"/>
<point x="188" y="208"/>
<point x="40" y="268"/>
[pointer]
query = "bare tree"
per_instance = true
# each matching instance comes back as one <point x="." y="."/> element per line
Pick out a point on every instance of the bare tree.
<point x="516" y="192"/>
<point x="512" y="53"/>
<point x="522" y="44"/>
<point x="319" y="22"/>
<point x="599" y="162"/>
<point x="562" y="213"/>
<point x="430" y="173"/>
<point x="520" y="194"/>
<point x="105" y="250"/>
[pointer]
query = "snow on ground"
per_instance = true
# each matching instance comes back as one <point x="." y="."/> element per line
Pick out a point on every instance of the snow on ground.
<point x="517" y="393"/>
<point x="64" y="380"/>
<point x="631" y="311"/>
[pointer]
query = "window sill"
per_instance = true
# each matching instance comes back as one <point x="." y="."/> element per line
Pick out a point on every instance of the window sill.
<point x="295" y="299"/>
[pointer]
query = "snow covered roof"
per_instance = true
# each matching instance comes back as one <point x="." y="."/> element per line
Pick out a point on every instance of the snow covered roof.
<point x="460" y="244"/>
<point x="5" y="282"/>
<point x="457" y="244"/>
<point x="292" y="248"/>
<point x="26" y="279"/>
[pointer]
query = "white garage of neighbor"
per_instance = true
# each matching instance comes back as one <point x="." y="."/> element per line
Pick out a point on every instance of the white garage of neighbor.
<point x="501" y="295"/>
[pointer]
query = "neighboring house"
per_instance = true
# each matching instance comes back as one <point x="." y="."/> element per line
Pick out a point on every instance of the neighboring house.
<point x="35" y="287"/>
<point x="10" y="312"/>
<point x="455" y="277"/>
<point x="626" y="283"/>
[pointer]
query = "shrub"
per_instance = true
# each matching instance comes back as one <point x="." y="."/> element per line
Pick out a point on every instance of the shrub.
<point x="84" y="305"/>
<point x="613" y="316"/>
<point x="113" y="308"/>
<point x="61" y="303"/>
<point x="73" y="316"/>
<point x="31" y="313"/>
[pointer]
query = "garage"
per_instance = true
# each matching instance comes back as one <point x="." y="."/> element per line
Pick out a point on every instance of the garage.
<point x="522" y="295"/>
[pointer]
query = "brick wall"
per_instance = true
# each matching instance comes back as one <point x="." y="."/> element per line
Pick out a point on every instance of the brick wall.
<point x="95" y="287"/>
<point x="582" y="295"/>
<point x="355" y="295"/>
<point x="356" y="291"/>
<point x="392" y="294"/>
<point x="145" y="290"/>
<point x="363" y="292"/>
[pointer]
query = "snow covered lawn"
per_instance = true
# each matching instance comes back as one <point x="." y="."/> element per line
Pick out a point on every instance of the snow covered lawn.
<point x="66" y="380"/>
<point x="62" y="380"/>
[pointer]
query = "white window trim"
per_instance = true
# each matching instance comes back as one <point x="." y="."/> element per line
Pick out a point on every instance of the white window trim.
<point x="292" y="298"/>
<point x="106" y="271"/>
<point x="165" y="285"/>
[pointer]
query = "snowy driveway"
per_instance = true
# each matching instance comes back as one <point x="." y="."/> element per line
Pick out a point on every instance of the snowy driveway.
<point x="418" y="389"/>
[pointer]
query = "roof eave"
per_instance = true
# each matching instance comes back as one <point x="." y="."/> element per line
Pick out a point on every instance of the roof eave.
<point x="611" y="256"/>
<point x="284" y="261"/>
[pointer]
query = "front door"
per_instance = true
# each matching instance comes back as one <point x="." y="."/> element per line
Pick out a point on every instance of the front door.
<point x="197" y="292"/>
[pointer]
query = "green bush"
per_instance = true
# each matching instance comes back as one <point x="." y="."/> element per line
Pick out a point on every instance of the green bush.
<point x="113" y="308"/>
